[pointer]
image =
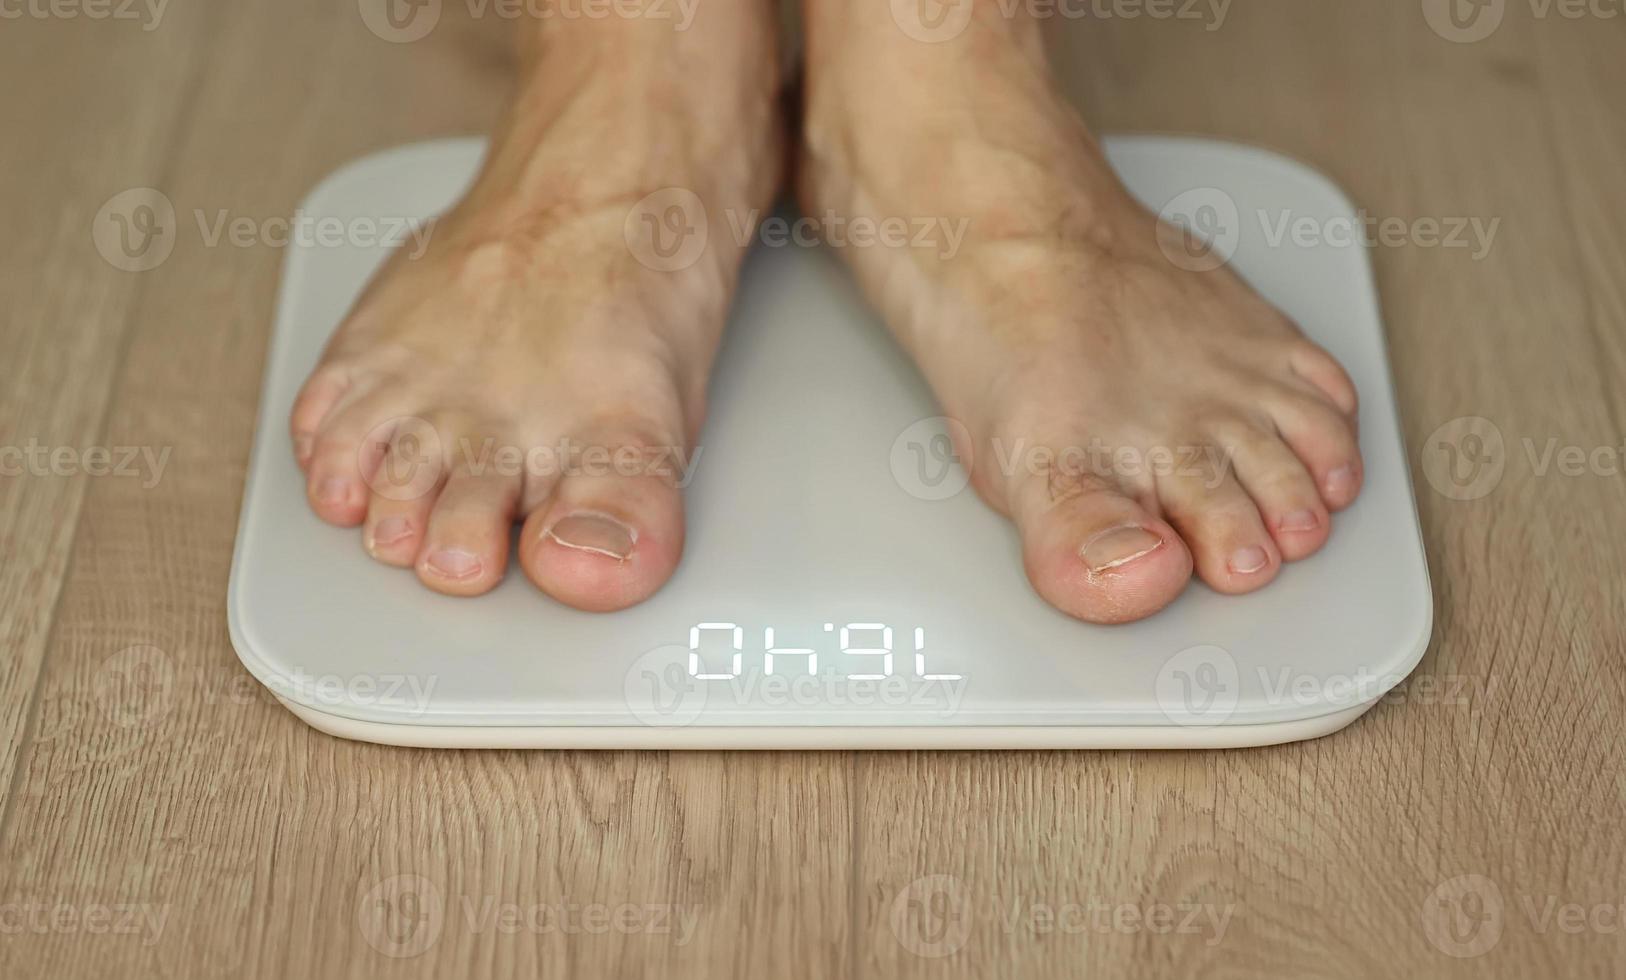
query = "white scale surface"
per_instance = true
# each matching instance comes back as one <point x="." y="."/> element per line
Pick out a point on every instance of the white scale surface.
<point x="801" y="519"/>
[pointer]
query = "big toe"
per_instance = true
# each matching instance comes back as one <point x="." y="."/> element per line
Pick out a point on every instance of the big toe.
<point x="1095" y="553"/>
<point x="605" y="540"/>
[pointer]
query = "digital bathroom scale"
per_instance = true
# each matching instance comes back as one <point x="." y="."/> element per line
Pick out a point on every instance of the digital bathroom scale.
<point x="842" y="587"/>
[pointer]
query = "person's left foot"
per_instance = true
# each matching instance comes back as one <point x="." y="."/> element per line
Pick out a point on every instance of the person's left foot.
<point x="1135" y="419"/>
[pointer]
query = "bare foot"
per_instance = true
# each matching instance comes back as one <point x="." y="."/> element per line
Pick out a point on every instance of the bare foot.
<point x="1059" y="332"/>
<point x="537" y="363"/>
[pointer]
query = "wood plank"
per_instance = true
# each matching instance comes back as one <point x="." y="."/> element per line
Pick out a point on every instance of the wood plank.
<point x="159" y="779"/>
<point x="63" y="308"/>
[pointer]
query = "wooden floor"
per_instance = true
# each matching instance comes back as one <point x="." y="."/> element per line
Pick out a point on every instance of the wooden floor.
<point x="161" y="818"/>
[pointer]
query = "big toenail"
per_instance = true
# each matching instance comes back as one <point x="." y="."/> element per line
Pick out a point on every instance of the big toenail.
<point x="1341" y="482"/>
<point x="453" y="563"/>
<point x="1118" y="546"/>
<point x="1249" y="560"/>
<point x="598" y="533"/>
<point x="390" y="530"/>
<point x="1300" y="520"/>
<point x="334" y="490"/>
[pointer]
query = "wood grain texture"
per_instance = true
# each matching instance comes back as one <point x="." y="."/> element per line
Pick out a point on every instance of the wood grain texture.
<point x="150" y="778"/>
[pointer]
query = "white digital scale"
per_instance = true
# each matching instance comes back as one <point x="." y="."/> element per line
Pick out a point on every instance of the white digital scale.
<point x="842" y="588"/>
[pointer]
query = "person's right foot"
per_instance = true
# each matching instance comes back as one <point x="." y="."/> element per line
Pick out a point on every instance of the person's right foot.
<point x="543" y="317"/>
<point x="1135" y="419"/>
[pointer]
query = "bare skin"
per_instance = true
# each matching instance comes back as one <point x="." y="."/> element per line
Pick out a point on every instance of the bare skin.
<point x="1061" y="323"/>
<point x="530" y="323"/>
<point x="1058" y="323"/>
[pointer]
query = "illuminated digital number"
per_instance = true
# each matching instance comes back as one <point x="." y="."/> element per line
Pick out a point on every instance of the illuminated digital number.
<point x="920" y="660"/>
<point x="694" y="651"/>
<point x="884" y="651"/>
<point x="769" y="650"/>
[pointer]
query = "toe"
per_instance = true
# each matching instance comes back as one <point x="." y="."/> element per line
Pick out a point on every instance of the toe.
<point x="343" y="457"/>
<point x="1324" y="372"/>
<point x="465" y="547"/>
<point x="1230" y="547"/>
<point x="321" y="392"/>
<point x="1323" y="439"/>
<point x="1282" y="489"/>
<point x="1096" y="554"/>
<point x="609" y="536"/>
<point x="405" y="486"/>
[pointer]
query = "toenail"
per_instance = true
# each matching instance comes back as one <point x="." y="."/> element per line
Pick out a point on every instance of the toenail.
<point x="1300" y="520"/>
<point x="1118" y="546"/>
<point x="1341" y="482"/>
<point x="598" y="533"/>
<point x="1248" y="560"/>
<point x="334" y="490"/>
<point x="453" y="563"/>
<point x="390" y="530"/>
